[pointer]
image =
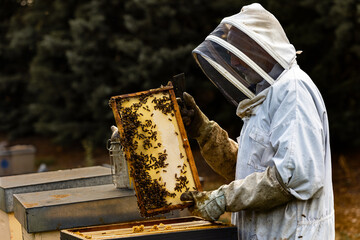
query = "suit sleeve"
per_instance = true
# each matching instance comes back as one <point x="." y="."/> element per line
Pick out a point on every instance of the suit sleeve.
<point x="298" y="137"/>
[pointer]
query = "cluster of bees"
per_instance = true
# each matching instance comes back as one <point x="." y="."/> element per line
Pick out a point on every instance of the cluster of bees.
<point x="137" y="132"/>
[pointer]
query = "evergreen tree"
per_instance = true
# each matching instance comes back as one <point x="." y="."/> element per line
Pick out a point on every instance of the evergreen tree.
<point x="61" y="61"/>
<point x="65" y="72"/>
<point x="339" y="71"/>
<point x="329" y="33"/>
<point x="16" y="49"/>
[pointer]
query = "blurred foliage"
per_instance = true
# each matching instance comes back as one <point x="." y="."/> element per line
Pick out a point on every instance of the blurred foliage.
<point x="61" y="61"/>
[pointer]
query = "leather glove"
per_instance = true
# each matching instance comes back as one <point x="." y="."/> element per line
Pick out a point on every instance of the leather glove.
<point x="218" y="150"/>
<point x="209" y="205"/>
<point x="194" y="119"/>
<point x="260" y="191"/>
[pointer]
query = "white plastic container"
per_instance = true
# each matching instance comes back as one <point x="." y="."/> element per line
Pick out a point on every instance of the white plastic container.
<point x="17" y="159"/>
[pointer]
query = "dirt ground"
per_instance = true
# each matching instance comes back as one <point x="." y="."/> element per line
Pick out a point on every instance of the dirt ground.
<point x="346" y="178"/>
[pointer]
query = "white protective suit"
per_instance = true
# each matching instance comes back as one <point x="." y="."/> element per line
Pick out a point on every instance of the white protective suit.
<point x="283" y="150"/>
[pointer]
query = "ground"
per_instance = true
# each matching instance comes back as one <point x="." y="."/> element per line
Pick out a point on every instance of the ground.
<point x="346" y="174"/>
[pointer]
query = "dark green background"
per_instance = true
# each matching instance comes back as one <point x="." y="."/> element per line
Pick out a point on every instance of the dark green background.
<point x="61" y="61"/>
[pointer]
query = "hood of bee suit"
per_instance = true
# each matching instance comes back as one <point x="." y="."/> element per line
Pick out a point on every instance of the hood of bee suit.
<point x="246" y="53"/>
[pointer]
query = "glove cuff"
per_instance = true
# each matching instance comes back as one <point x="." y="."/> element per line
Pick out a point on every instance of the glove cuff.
<point x="204" y="131"/>
<point x="197" y="127"/>
<point x="216" y="206"/>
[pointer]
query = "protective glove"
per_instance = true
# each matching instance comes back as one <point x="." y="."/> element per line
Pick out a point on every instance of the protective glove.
<point x="260" y="191"/>
<point x="218" y="150"/>
<point x="194" y="119"/>
<point x="209" y="205"/>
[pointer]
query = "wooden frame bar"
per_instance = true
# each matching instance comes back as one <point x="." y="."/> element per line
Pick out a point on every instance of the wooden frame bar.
<point x="115" y="103"/>
<point x="178" y="228"/>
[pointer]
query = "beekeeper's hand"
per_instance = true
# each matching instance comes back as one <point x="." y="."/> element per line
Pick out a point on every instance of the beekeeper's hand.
<point x="260" y="191"/>
<point x="194" y="119"/>
<point x="209" y="205"/>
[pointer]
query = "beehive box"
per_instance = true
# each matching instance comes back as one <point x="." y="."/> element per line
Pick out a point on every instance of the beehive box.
<point x="176" y="228"/>
<point x="156" y="147"/>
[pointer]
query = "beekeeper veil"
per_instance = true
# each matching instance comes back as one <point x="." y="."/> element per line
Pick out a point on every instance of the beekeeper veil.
<point x="246" y="53"/>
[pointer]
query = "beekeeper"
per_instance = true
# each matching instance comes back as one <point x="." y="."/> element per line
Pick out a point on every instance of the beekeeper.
<point x="281" y="162"/>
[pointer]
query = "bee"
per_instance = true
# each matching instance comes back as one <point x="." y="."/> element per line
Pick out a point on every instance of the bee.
<point x="150" y="193"/>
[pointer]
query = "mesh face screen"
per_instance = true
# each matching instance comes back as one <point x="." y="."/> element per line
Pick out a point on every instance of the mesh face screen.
<point x="236" y="64"/>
